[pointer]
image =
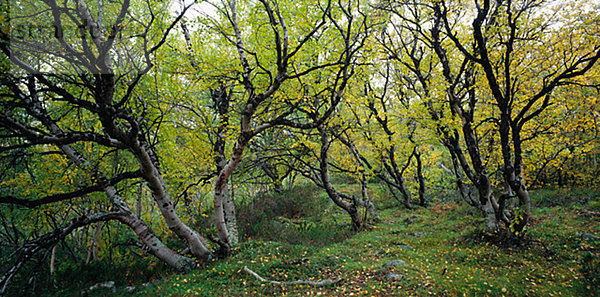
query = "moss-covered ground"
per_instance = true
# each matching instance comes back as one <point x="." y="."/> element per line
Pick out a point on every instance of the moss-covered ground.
<point x="444" y="247"/>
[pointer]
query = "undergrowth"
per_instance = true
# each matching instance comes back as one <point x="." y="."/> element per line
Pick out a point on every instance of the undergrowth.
<point x="444" y="248"/>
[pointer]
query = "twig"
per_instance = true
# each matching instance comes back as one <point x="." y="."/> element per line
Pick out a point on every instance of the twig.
<point x="324" y="282"/>
<point x="492" y="253"/>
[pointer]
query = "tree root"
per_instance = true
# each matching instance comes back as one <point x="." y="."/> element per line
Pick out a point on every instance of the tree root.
<point x="324" y="282"/>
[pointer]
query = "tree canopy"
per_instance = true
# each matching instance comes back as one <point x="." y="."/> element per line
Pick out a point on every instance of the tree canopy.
<point x="165" y="117"/>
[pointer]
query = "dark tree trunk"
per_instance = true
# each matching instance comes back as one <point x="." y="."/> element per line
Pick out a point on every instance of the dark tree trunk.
<point x="420" y="178"/>
<point x="350" y="207"/>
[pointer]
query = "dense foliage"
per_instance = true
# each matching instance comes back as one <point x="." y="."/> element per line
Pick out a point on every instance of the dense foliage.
<point x="184" y="131"/>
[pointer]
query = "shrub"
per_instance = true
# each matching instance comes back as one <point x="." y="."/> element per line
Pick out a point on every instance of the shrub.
<point x="259" y="219"/>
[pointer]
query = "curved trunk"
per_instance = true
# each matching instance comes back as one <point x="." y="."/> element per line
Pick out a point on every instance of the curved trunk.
<point x="398" y="177"/>
<point x="350" y="208"/>
<point x="490" y="219"/>
<point x="510" y="171"/>
<point x="139" y="227"/>
<point x="155" y="246"/>
<point x="489" y="205"/>
<point x="223" y="177"/>
<point x="516" y="183"/>
<point x="220" y="193"/>
<point x="153" y="178"/>
<point x="463" y="191"/>
<point x="398" y="182"/>
<point x="143" y="232"/>
<point x="522" y="218"/>
<point x="147" y="237"/>
<point x="150" y="173"/>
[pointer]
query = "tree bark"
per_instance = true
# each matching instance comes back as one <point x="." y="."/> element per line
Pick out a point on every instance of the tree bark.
<point x="392" y="169"/>
<point x="463" y="191"/>
<point x="350" y="208"/>
<point x="143" y="232"/>
<point x="420" y="178"/>
<point x="93" y="248"/>
<point x="53" y="260"/>
<point x="230" y="218"/>
<point x="477" y="174"/>
<point x="153" y="178"/>
<point x="221" y="100"/>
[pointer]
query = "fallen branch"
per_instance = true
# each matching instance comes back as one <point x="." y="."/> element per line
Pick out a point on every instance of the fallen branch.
<point x="324" y="282"/>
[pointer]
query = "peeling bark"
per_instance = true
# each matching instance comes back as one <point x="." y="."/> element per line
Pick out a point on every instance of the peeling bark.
<point x="153" y="178"/>
<point x="230" y="218"/>
<point x="221" y="99"/>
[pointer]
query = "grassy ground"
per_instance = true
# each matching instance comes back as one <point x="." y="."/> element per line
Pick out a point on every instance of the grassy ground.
<point x="445" y="252"/>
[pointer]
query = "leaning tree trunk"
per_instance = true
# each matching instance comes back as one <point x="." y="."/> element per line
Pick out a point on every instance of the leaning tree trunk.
<point x="397" y="175"/>
<point x="350" y="208"/>
<point x="132" y="138"/>
<point x="153" y="178"/>
<point x="129" y="218"/>
<point x="365" y="202"/>
<point x="155" y="246"/>
<point x="133" y="221"/>
<point x="478" y="175"/>
<point x="464" y="192"/>
<point x="220" y="189"/>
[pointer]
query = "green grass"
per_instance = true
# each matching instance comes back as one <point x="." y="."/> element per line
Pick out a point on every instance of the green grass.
<point x="453" y="258"/>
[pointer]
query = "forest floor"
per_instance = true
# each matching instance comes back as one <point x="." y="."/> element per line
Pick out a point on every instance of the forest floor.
<point x="442" y="251"/>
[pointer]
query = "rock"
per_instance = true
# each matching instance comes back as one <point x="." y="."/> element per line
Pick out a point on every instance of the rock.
<point x="418" y="234"/>
<point x="107" y="285"/>
<point x="104" y="285"/>
<point x="403" y="246"/>
<point x="394" y="276"/>
<point x="590" y="237"/>
<point x="130" y="289"/>
<point x="395" y="263"/>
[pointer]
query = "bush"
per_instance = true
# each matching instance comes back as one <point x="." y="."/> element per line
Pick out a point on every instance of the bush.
<point x="259" y="219"/>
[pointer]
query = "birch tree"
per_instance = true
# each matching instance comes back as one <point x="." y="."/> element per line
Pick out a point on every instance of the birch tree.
<point x="74" y="76"/>
<point x="321" y="39"/>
